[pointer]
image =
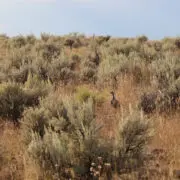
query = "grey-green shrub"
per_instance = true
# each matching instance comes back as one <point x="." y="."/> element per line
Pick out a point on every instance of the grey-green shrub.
<point x="59" y="139"/>
<point x="61" y="70"/>
<point x="83" y="94"/>
<point x="148" y="101"/>
<point x="142" y="39"/>
<point x="51" y="113"/>
<point x="12" y="101"/>
<point x="47" y="50"/>
<point x="133" y="135"/>
<point x="89" y="67"/>
<point x="14" y="97"/>
<point x="17" y="41"/>
<point x="164" y="69"/>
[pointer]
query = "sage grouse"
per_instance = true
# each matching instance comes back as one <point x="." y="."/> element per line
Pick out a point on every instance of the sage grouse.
<point x="114" y="102"/>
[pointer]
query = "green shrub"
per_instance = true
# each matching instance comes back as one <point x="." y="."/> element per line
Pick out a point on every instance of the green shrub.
<point x="142" y="39"/>
<point x="34" y="121"/>
<point x="83" y="94"/>
<point x="86" y="130"/>
<point x="88" y="74"/>
<point x="148" y="102"/>
<point x="16" y="65"/>
<point x="101" y="39"/>
<point x="18" y="58"/>
<point x="164" y="71"/>
<point x="12" y="101"/>
<point x="169" y="99"/>
<point x="77" y="43"/>
<point x="54" y="153"/>
<point x="100" y="98"/>
<point x="118" y="65"/>
<point x="47" y="50"/>
<point x="168" y="44"/>
<point x="69" y="42"/>
<point x="55" y="147"/>
<point x="132" y="137"/>
<point x="18" y="41"/>
<point x="177" y="43"/>
<point x="35" y="88"/>
<point x="62" y="70"/>
<point x="157" y="46"/>
<point x="41" y="68"/>
<point x="18" y="75"/>
<point x="45" y="37"/>
<point x="34" y="83"/>
<point x="89" y="67"/>
<point x="14" y="98"/>
<point x="51" y="112"/>
<point x="162" y="101"/>
<point x="31" y="39"/>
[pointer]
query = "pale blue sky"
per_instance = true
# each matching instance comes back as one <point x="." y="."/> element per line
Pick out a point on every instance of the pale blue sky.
<point x="154" y="18"/>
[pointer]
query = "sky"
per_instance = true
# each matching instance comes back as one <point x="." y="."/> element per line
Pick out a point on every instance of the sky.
<point x="119" y="18"/>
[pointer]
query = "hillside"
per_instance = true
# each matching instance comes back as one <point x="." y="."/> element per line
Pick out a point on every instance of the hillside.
<point x="57" y="118"/>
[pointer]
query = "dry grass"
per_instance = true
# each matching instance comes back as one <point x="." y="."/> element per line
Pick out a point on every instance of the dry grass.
<point x="10" y="140"/>
<point x="167" y="137"/>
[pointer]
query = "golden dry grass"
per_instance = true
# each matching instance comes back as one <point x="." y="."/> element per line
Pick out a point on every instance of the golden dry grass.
<point x="10" y="140"/>
<point x="167" y="137"/>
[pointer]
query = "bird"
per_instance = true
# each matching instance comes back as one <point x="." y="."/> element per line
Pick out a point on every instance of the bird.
<point x="114" y="102"/>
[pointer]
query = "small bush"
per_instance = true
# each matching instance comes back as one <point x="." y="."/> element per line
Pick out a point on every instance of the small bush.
<point x="164" y="71"/>
<point x="148" y="102"/>
<point x="88" y="74"/>
<point x="35" y="88"/>
<point x="14" y="98"/>
<point x="47" y="51"/>
<point x="34" y="83"/>
<point x="169" y="99"/>
<point x="61" y="70"/>
<point x="132" y="137"/>
<point x="45" y="37"/>
<point x="34" y="121"/>
<point x="101" y="39"/>
<point x="177" y="43"/>
<point x="18" y="41"/>
<point x="89" y="67"/>
<point x="19" y="75"/>
<point x="31" y="39"/>
<point x="12" y="101"/>
<point x="142" y="39"/>
<point x="51" y="113"/>
<point x="163" y="101"/>
<point x="83" y="94"/>
<point x="111" y="67"/>
<point x="69" y="43"/>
